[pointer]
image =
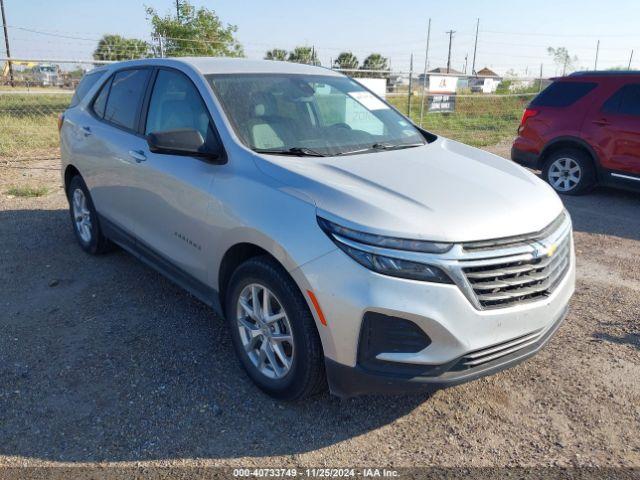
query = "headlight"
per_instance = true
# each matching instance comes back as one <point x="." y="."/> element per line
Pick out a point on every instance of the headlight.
<point x="383" y="264"/>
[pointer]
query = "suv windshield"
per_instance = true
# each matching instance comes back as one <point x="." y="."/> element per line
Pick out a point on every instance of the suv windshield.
<point x="310" y="115"/>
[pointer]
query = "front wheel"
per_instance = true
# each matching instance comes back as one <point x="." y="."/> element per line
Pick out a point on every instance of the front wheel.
<point x="570" y="172"/>
<point x="273" y="331"/>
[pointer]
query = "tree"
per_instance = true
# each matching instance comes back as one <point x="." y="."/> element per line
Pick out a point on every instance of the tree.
<point x="305" y="55"/>
<point x="346" y="60"/>
<point x="375" y="61"/>
<point x="195" y="31"/>
<point x="116" y="47"/>
<point x="562" y="59"/>
<point x="276" y="54"/>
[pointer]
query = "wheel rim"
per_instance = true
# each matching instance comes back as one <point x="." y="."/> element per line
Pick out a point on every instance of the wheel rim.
<point x="265" y="331"/>
<point x="565" y="174"/>
<point x="81" y="215"/>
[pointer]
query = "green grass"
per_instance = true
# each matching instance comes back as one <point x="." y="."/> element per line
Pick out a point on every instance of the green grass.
<point x="29" y="122"/>
<point x="27" y="191"/>
<point x="478" y="120"/>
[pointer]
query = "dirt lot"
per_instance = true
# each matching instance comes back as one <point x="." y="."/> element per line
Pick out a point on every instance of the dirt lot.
<point x="103" y="360"/>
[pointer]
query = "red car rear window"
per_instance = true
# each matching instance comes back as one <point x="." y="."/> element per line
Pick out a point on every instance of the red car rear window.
<point x="562" y="94"/>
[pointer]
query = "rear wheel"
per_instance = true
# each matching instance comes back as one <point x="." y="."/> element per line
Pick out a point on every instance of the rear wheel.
<point x="570" y="172"/>
<point x="85" y="219"/>
<point x="273" y="331"/>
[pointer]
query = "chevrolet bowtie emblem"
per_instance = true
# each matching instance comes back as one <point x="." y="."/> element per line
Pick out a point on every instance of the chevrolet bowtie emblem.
<point x="552" y="249"/>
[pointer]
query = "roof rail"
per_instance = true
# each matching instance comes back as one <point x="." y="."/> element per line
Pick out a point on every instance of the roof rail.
<point x="604" y="73"/>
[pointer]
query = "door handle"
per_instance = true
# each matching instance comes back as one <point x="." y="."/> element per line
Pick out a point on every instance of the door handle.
<point x="137" y="155"/>
<point x="603" y="122"/>
<point x="86" y="131"/>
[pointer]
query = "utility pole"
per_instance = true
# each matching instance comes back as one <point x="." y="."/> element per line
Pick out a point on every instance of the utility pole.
<point x="630" y="58"/>
<point x="410" y="86"/>
<point x="426" y="67"/>
<point x="450" y="32"/>
<point x="6" y="42"/>
<point x="595" y="66"/>
<point x="540" y="81"/>
<point x="466" y="58"/>
<point x="178" y="9"/>
<point x="475" y="49"/>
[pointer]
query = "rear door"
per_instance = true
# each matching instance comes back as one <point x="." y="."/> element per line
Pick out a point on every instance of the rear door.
<point x="615" y="131"/>
<point x="171" y="193"/>
<point x="113" y="145"/>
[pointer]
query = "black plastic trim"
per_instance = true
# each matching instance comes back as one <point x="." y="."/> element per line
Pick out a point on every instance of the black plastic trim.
<point x="345" y="381"/>
<point x="526" y="159"/>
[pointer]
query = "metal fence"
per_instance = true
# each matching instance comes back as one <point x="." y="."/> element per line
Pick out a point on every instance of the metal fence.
<point x="28" y="111"/>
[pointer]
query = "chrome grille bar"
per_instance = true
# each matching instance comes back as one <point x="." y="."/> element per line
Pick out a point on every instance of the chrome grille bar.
<point x="514" y="280"/>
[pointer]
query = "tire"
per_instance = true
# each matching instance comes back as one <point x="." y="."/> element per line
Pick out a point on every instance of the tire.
<point x="87" y="230"/>
<point x="570" y="171"/>
<point x="304" y="376"/>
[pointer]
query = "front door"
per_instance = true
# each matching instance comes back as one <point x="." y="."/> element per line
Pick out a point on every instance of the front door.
<point x="171" y="192"/>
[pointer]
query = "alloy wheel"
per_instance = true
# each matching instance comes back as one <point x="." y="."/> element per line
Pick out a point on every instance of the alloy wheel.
<point x="81" y="215"/>
<point x="265" y="331"/>
<point x="564" y="174"/>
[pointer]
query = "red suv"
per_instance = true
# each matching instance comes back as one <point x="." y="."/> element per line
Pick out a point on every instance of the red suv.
<point x="584" y="130"/>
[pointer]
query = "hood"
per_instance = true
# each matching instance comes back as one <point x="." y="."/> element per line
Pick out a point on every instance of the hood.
<point x="444" y="191"/>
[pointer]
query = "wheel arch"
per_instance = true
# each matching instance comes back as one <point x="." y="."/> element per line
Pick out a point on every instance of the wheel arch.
<point x="69" y="172"/>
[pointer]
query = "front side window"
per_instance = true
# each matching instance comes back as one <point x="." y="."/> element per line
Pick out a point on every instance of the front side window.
<point x="125" y="98"/>
<point x="176" y="105"/>
<point x="325" y="115"/>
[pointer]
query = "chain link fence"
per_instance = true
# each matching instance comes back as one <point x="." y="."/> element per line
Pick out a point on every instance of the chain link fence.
<point x="28" y="115"/>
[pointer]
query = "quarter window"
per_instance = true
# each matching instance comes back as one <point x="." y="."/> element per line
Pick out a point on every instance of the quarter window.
<point x="88" y="81"/>
<point x="562" y="94"/>
<point x="100" y="102"/>
<point x="125" y="98"/>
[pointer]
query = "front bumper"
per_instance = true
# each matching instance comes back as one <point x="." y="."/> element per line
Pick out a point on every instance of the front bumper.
<point x="456" y="327"/>
<point x="348" y="382"/>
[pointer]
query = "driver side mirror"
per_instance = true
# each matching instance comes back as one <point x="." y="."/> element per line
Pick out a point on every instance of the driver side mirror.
<point x="185" y="141"/>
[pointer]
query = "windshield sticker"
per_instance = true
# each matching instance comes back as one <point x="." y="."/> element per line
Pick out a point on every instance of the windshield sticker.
<point x="369" y="101"/>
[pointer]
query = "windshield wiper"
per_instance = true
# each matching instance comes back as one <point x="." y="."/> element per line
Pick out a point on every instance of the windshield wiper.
<point x="394" y="146"/>
<point x="297" y="151"/>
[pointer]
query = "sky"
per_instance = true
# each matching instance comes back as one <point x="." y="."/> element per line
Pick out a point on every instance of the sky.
<point x="513" y="35"/>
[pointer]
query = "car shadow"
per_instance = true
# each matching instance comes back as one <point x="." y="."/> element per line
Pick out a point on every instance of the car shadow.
<point x="606" y="211"/>
<point x="102" y="359"/>
<point x="631" y="339"/>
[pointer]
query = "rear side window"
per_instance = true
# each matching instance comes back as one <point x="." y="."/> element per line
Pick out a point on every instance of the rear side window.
<point x="125" y="98"/>
<point x="625" y="101"/>
<point x="88" y="81"/>
<point x="562" y="94"/>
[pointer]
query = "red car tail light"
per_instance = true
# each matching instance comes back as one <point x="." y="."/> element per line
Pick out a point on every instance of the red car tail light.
<point x="528" y="113"/>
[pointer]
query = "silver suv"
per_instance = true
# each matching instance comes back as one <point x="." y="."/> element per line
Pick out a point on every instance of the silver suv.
<point x="343" y="244"/>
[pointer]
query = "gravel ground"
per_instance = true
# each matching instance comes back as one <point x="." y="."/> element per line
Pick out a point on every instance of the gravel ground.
<point x="102" y="360"/>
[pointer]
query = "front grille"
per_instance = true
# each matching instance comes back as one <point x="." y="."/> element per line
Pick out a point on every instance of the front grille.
<point x="518" y="240"/>
<point x="500" y="285"/>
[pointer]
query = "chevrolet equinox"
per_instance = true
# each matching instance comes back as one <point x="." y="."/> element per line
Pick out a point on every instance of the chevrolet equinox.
<point x="345" y="246"/>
